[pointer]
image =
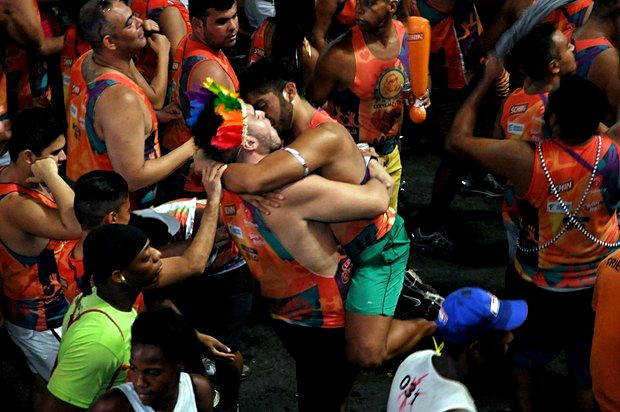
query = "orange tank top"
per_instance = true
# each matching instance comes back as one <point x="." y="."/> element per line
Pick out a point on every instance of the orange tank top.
<point x="32" y="296"/>
<point x="86" y="151"/>
<point x="372" y="108"/>
<point x="187" y="54"/>
<point x="552" y="252"/>
<point x="260" y="47"/>
<point x="146" y="60"/>
<point x="294" y="293"/>
<point x="73" y="47"/>
<point x="523" y="116"/>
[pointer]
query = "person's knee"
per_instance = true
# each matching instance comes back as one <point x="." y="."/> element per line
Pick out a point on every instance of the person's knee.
<point x="366" y="354"/>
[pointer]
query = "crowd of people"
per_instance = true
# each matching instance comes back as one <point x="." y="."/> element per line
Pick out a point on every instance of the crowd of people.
<point x="157" y="174"/>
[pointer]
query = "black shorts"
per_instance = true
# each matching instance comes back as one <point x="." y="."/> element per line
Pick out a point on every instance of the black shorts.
<point x="324" y="377"/>
<point x="556" y="322"/>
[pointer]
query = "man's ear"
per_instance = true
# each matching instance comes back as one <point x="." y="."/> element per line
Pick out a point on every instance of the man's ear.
<point x="249" y="143"/>
<point x="28" y="156"/>
<point x="110" y="218"/>
<point x="554" y="66"/>
<point x="197" y="24"/>
<point x="475" y="349"/>
<point x="118" y="276"/>
<point x="108" y="43"/>
<point x="289" y="92"/>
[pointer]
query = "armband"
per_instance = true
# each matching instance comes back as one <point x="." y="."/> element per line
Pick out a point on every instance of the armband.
<point x="299" y="158"/>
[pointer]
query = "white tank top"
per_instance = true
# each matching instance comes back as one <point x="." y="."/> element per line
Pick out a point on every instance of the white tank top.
<point x="186" y="401"/>
<point x="418" y="387"/>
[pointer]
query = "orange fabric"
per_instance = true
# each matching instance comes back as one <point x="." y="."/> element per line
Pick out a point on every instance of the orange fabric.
<point x="31" y="293"/>
<point x="258" y="48"/>
<point x="571" y="261"/>
<point x="570" y="16"/>
<point x="347" y="14"/>
<point x="294" y="293"/>
<point x="523" y="116"/>
<point x="605" y="356"/>
<point x="74" y="46"/>
<point x="151" y="9"/>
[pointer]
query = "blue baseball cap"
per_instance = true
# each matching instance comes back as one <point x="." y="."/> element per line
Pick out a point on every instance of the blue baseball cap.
<point x="468" y="313"/>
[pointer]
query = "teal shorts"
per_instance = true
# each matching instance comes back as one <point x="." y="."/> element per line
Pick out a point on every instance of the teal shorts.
<point x="378" y="274"/>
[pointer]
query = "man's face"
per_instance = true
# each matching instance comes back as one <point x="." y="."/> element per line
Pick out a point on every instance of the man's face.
<point x="221" y="27"/>
<point x="565" y="49"/>
<point x="153" y="378"/>
<point x="276" y="109"/>
<point x="370" y="14"/>
<point x="55" y="151"/>
<point x="145" y="268"/>
<point x="128" y="33"/>
<point x="260" y="128"/>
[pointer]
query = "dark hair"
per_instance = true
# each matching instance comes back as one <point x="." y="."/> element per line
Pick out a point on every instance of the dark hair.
<point x="294" y="21"/>
<point x="578" y="121"/>
<point x="205" y="128"/>
<point x="93" y="25"/>
<point x="34" y="129"/>
<point x="267" y="75"/>
<point x="532" y="54"/>
<point x="98" y="193"/>
<point x="198" y="8"/>
<point x="171" y="332"/>
<point x="109" y="248"/>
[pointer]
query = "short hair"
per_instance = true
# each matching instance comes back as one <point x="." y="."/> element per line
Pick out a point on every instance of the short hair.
<point x="532" y="54"/>
<point x="578" y="122"/>
<point x="164" y="328"/>
<point x="267" y="75"/>
<point x="34" y="129"/>
<point x="93" y="25"/>
<point x="109" y="248"/>
<point x="98" y="193"/>
<point x="198" y="8"/>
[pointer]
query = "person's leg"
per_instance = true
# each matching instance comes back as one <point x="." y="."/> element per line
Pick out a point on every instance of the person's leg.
<point x="372" y="335"/>
<point x="229" y="378"/>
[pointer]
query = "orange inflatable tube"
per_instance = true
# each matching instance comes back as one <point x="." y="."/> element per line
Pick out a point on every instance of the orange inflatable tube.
<point x="419" y="44"/>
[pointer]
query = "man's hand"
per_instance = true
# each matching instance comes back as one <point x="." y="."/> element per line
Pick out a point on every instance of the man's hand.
<point x="43" y="169"/>
<point x="265" y="202"/>
<point x="171" y="112"/>
<point x="378" y="172"/>
<point x="212" y="183"/>
<point x="217" y="348"/>
<point x="493" y="69"/>
<point x="158" y="42"/>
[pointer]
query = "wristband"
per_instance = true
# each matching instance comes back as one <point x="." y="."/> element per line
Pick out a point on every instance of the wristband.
<point x="299" y="158"/>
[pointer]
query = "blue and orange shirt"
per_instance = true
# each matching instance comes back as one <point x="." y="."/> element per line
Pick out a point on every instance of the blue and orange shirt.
<point x="73" y="47"/>
<point x="372" y="108"/>
<point x="570" y="261"/>
<point x="259" y="47"/>
<point x="86" y="151"/>
<point x="570" y="16"/>
<point x="32" y="296"/>
<point x="294" y="294"/>
<point x="455" y="42"/>
<point x="586" y="51"/>
<point x="523" y="116"/>
<point x="146" y="61"/>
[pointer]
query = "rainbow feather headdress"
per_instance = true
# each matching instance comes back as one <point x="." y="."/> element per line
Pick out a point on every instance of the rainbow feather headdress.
<point x="228" y="105"/>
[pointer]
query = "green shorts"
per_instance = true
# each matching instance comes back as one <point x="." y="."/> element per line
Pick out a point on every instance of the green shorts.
<point x="378" y="273"/>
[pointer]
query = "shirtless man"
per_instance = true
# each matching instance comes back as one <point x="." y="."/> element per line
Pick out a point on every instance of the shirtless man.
<point x="123" y="136"/>
<point x="303" y="273"/>
<point x="363" y="78"/>
<point x="379" y="248"/>
<point x="31" y="190"/>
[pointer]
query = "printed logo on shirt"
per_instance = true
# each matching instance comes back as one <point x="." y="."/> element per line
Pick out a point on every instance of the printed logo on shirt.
<point x="563" y="187"/>
<point x="76" y="89"/>
<point x="73" y="110"/>
<point x="516" y="128"/>
<point x="67" y="62"/>
<point x="257" y="240"/>
<point x="235" y="231"/>
<point x="252" y="253"/>
<point x="518" y="108"/>
<point x="494" y="305"/>
<point x="230" y="210"/>
<point x="390" y="84"/>
<point x="556" y="207"/>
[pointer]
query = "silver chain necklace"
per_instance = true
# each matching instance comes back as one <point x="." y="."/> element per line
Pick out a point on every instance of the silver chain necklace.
<point x="572" y="219"/>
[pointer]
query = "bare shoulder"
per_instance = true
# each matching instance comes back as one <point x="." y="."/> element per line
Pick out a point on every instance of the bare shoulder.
<point x="112" y="401"/>
<point x="340" y="49"/>
<point x="209" y="68"/>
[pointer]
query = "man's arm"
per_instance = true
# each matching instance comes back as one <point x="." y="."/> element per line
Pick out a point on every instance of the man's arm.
<point x="59" y="223"/>
<point x="208" y="68"/>
<point x="325" y="12"/>
<point x="112" y="401"/>
<point x="195" y="257"/>
<point x="122" y="124"/>
<point x="172" y="25"/>
<point x="317" y="198"/>
<point x="329" y="75"/>
<point x="318" y="147"/>
<point x="509" y="158"/>
<point x="202" y="392"/>
<point x="606" y="79"/>
<point x="24" y="27"/>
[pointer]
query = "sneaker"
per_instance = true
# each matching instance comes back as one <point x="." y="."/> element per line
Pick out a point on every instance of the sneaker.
<point x="436" y="242"/>
<point x="216" y="398"/>
<point x="486" y="186"/>
<point x="417" y="300"/>
<point x="209" y="367"/>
